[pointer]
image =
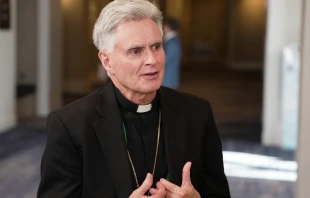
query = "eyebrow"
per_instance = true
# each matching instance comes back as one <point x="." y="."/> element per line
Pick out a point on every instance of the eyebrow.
<point x="131" y="47"/>
<point x="157" y="42"/>
<point x="134" y="46"/>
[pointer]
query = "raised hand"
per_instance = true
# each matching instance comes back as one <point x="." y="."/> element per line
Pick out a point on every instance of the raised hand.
<point x="160" y="192"/>
<point x="186" y="190"/>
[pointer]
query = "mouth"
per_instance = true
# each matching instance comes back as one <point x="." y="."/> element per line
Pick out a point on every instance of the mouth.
<point x="150" y="75"/>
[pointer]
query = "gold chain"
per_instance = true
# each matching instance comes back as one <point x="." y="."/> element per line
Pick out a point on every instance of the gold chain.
<point x="155" y="160"/>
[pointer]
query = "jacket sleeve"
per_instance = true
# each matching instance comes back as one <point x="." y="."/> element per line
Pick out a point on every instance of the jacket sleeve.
<point x="61" y="166"/>
<point x="215" y="183"/>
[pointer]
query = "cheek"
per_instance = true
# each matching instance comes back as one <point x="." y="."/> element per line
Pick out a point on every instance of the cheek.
<point x="129" y="70"/>
<point x="121" y="67"/>
<point x="162" y="58"/>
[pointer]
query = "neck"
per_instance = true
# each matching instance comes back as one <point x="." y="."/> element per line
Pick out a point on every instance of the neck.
<point x="137" y="98"/>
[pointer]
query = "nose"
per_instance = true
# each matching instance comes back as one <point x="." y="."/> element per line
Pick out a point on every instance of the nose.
<point x="150" y="58"/>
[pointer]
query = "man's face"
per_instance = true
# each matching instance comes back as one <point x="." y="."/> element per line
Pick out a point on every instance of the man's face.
<point x="138" y="59"/>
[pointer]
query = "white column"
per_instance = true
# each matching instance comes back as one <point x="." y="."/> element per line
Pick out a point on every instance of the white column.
<point x="43" y="58"/>
<point x="302" y="189"/>
<point x="283" y="28"/>
<point x="49" y="58"/>
<point x="8" y="72"/>
<point x="56" y="52"/>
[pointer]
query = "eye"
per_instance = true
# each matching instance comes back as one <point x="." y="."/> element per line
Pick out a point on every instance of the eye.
<point x="157" y="46"/>
<point x="135" y="51"/>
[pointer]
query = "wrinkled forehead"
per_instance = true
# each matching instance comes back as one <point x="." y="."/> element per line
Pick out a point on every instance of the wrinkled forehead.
<point x="138" y="32"/>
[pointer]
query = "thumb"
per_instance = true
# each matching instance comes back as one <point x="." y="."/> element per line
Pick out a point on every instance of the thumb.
<point x="146" y="185"/>
<point x="186" y="174"/>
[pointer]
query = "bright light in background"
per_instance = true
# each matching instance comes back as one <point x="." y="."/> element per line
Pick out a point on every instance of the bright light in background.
<point x="253" y="5"/>
<point x="258" y="167"/>
<point x="66" y="3"/>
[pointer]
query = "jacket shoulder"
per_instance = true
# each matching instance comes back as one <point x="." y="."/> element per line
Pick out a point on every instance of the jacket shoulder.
<point x="83" y="106"/>
<point x="186" y="100"/>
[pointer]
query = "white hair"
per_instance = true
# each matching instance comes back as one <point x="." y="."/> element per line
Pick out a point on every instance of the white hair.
<point x="119" y="11"/>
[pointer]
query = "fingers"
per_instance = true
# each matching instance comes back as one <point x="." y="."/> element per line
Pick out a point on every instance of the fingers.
<point x="159" y="190"/>
<point x="161" y="193"/>
<point x="160" y="186"/>
<point x="153" y="191"/>
<point x="169" y="186"/>
<point x="146" y="185"/>
<point x="186" y="174"/>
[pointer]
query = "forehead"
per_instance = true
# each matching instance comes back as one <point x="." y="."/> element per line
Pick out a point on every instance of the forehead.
<point x="140" y="32"/>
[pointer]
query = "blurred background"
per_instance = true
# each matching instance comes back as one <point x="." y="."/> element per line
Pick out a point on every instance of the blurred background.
<point x="243" y="56"/>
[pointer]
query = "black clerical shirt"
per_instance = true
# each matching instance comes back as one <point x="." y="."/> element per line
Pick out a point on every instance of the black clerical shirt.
<point x="142" y="131"/>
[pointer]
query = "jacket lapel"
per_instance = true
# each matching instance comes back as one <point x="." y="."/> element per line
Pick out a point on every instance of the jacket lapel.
<point x="111" y="138"/>
<point x="173" y="122"/>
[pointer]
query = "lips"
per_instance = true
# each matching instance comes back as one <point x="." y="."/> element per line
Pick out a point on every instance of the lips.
<point x="150" y="75"/>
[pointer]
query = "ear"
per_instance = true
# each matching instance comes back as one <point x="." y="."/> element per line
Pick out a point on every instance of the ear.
<point x="105" y="61"/>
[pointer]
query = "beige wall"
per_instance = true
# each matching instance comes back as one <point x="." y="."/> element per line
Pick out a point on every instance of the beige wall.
<point x="233" y="31"/>
<point x="80" y="55"/>
<point x="250" y="22"/>
<point x="49" y="57"/>
<point x="209" y="25"/>
<point x="302" y="185"/>
<point x="75" y="45"/>
<point x="94" y="9"/>
<point x="26" y="55"/>
<point x="26" y="41"/>
<point x="246" y="33"/>
<point x="181" y="10"/>
<point x="56" y="74"/>
<point x="39" y="50"/>
<point x="8" y="72"/>
<point x="283" y="28"/>
<point x="203" y="25"/>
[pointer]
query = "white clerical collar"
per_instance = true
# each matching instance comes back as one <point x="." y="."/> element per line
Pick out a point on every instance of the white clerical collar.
<point x="144" y="108"/>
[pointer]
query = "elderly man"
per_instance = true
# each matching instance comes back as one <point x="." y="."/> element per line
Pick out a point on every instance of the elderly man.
<point x="133" y="138"/>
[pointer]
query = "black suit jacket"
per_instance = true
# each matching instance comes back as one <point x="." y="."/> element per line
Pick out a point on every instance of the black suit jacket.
<point x="86" y="154"/>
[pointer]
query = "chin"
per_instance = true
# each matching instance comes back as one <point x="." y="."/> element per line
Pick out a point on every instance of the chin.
<point x="150" y="88"/>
